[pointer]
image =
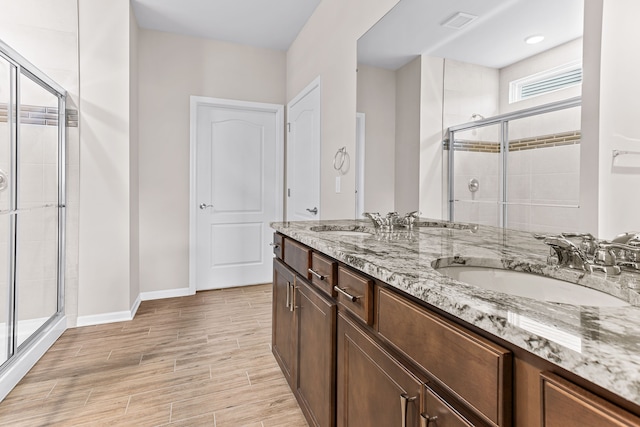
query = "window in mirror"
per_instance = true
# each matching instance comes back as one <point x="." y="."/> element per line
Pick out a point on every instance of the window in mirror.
<point x="546" y="82"/>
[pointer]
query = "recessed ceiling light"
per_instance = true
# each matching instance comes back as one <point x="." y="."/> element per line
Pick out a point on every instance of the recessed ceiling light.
<point x="534" y="39"/>
<point x="459" y="20"/>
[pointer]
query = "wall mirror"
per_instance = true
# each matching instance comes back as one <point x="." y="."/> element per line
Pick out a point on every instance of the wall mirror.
<point x="428" y="66"/>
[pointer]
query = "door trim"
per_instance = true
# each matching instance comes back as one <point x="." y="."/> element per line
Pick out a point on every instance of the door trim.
<point x="196" y="101"/>
<point x="360" y="163"/>
<point x="304" y="92"/>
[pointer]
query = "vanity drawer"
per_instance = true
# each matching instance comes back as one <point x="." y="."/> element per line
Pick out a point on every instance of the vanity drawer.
<point x="472" y="368"/>
<point x="323" y="273"/>
<point x="278" y="241"/>
<point x="297" y="256"/>
<point x="564" y="404"/>
<point x="355" y="293"/>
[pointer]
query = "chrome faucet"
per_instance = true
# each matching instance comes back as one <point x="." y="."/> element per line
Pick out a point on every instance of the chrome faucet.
<point x="569" y="254"/>
<point x="596" y="255"/>
<point x="392" y="219"/>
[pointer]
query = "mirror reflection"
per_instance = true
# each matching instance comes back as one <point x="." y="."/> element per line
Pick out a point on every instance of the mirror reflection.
<point x="431" y="66"/>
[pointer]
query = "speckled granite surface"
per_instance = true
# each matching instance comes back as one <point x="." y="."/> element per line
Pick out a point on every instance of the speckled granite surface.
<point x="600" y="344"/>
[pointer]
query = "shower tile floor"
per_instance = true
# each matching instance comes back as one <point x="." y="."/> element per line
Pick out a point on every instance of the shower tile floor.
<point x="202" y="360"/>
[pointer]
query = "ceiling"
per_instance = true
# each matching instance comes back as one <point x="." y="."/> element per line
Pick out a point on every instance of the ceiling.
<point x="271" y="24"/>
<point x="495" y="39"/>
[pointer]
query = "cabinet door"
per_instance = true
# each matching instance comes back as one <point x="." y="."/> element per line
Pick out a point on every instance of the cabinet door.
<point x="373" y="389"/>
<point x="283" y="322"/>
<point x="315" y="373"/>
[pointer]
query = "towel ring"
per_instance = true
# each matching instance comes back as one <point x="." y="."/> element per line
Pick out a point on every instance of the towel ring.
<point x="340" y="159"/>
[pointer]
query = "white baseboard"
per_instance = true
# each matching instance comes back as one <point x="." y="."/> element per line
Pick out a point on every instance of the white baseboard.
<point x="123" y="316"/>
<point x="99" y="319"/>
<point x="135" y="306"/>
<point x="18" y="368"/>
<point x="169" y="293"/>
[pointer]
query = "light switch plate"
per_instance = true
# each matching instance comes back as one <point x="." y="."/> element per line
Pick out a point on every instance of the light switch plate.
<point x="337" y="184"/>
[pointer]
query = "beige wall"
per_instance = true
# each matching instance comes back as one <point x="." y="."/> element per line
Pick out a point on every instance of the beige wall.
<point x="105" y="233"/>
<point x="377" y="100"/>
<point x="134" y="182"/>
<point x="407" y="151"/>
<point x="171" y="69"/>
<point x="326" y="47"/>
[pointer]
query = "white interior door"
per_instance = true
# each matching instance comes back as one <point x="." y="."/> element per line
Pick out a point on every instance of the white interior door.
<point x="303" y="155"/>
<point x="238" y="191"/>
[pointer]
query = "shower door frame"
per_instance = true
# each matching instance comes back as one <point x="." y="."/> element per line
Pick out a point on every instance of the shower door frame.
<point x="502" y="120"/>
<point x="20" y="359"/>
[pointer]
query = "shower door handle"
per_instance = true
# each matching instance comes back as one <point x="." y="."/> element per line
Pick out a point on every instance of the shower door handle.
<point x="205" y="206"/>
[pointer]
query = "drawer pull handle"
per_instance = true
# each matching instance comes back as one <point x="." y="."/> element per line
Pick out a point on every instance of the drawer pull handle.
<point x="288" y="303"/>
<point x="351" y="298"/>
<point x="318" y="275"/>
<point x="275" y="245"/>
<point x="404" y="400"/>
<point x="425" y="420"/>
<point x="292" y="299"/>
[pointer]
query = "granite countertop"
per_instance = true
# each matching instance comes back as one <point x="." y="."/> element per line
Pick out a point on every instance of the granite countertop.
<point x="599" y="344"/>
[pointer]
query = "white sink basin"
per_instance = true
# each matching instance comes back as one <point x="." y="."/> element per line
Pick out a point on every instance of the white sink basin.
<point x="529" y="285"/>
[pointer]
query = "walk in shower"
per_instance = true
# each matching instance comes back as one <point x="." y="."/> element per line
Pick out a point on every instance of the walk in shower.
<point x="32" y="207"/>
<point x="519" y="170"/>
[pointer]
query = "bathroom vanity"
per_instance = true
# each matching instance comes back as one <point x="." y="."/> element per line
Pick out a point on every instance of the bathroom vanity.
<point x="370" y="328"/>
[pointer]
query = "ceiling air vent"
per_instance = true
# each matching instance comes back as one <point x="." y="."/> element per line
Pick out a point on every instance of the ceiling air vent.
<point x="459" y="20"/>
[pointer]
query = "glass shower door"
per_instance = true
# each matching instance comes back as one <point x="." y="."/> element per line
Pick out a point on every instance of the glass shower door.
<point x="37" y="217"/>
<point x="7" y="74"/>
<point x="474" y="170"/>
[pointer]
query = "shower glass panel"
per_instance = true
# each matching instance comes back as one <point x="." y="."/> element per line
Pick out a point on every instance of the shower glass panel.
<point x="519" y="170"/>
<point x="477" y="167"/>
<point x="7" y="73"/>
<point x="543" y="172"/>
<point x="37" y="220"/>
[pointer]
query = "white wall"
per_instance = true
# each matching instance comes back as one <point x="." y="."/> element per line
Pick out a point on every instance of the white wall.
<point x="469" y="89"/>
<point x="377" y="100"/>
<point x="619" y="107"/>
<point x="171" y="69"/>
<point x="431" y="195"/>
<point x="105" y="233"/>
<point x="407" y="157"/>
<point x="326" y="47"/>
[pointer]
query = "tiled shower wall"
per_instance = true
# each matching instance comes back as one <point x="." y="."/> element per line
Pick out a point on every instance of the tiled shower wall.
<point x="543" y="178"/>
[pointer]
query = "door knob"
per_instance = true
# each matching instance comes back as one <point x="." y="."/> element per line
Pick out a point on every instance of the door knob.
<point x="205" y="206"/>
<point x="313" y="211"/>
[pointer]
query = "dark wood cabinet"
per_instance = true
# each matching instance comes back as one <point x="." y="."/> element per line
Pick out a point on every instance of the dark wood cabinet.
<point x="567" y="405"/>
<point x="357" y="352"/>
<point x="283" y="321"/>
<point x="374" y="389"/>
<point x="315" y="375"/>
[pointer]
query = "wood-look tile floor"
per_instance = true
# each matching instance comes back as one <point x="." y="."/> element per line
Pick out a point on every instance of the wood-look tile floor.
<point x="202" y="360"/>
